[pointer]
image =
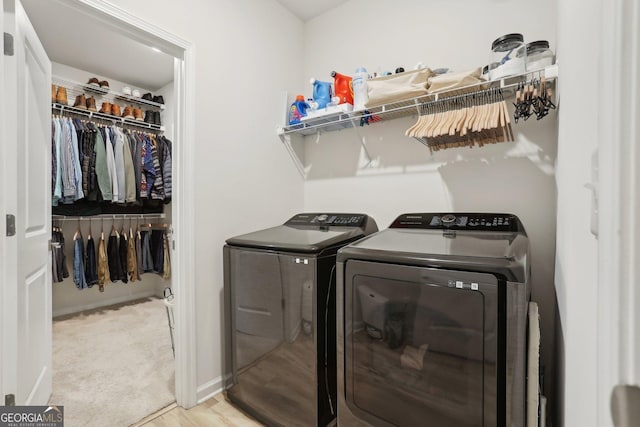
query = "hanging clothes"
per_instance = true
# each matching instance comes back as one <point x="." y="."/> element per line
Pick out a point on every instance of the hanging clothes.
<point x="166" y="275"/>
<point x="103" y="264"/>
<point x="111" y="164"/>
<point x="59" y="260"/>
<point x="90" y="267"/>
<point x="106" y="163"/>
<point x="102" y="168"/>
<point x="78" y="261"/>
<point x="123" y="252"/>
<point x="138" y="242"/>
<point x="147" y="257"/>
<point x="113" y="256"/>
<point x="129" y="172"/>
<point x="167" y="169"/>
<point x="157" y="250"/>
<point x="132" y="262"/>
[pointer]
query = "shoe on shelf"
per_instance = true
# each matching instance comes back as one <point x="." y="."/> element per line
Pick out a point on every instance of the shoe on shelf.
<point x="53" y="93"/>
<point x="136" y="93"/>
<point x="158" y="99"/>
<point x="106" y="108"/>
<point x="80" y="102"/>
<point x="91" y="104"/>
<point x="156" y="118"/>
<point x="61" y="95"/>
<point x="104" y="84"/>
<point x="137" y="114"/>
<point x="94" y="81"/>
<point x="115" y="110"/>
<point x="148" y="117"/>
<point x="128" y="113"/>
<point x="126" y="90"/>
<point x="147" y="97"/>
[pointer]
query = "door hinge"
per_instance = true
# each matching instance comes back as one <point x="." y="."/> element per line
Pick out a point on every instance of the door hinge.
<point x="9" y="400"/>
<point x="11" y="225"/>
<point x="8" y="44"/>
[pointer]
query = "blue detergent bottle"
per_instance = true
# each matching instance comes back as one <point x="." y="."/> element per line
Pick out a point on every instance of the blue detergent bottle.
<point x="298" y="110"/>
<point x="321" y="92"/>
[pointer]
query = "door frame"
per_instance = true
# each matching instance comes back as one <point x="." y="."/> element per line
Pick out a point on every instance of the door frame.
<point x="183" y="264"/>
<point x="618" y="332"/>
<point x="3" y="231"/>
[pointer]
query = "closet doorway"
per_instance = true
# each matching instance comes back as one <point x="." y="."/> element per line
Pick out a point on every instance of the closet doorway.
<point x="111" y="23"/>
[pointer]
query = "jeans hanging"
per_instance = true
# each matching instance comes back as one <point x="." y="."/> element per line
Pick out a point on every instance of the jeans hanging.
<point x="78" y="262"/>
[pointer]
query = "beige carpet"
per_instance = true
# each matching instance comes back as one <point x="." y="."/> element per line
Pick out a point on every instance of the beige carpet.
<point x="113" y="366"/>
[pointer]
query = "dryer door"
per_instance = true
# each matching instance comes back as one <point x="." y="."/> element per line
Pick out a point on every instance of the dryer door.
<point x="420" y="345"/>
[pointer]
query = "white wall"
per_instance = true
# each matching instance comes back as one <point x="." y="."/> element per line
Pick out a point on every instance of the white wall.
<point x="514" y="177"/>
<point x="246" y="53"/>
<point x="576" y="263"/>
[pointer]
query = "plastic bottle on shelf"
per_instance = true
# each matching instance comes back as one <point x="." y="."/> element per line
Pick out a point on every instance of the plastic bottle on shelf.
<point x="321" y="92"/>
<point x="359" y="84"/>
<point x="342" y="87"/>
<point x="298" y="110"/>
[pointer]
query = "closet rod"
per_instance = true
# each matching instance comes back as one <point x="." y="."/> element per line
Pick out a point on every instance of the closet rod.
<point x="107" y="216"/>
<point x="65" y="109"/>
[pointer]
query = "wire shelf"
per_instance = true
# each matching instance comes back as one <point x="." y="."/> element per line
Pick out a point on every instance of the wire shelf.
<point x="407" y="107"/>
<point x="65" y="109"/>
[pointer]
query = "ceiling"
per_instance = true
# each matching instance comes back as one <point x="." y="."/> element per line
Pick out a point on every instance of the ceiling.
<point x="72" y="38"/>
<point x="308" y="9"/>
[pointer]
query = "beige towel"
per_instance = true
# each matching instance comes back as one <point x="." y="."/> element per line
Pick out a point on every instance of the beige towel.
<point x="397" y="87"/>
<point x="450" y="81"/>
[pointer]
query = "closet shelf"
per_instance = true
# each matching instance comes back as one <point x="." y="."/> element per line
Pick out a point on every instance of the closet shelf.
<point x="408" y="107"/>
<point x="404" y="108"/>
<point x="77" y="88"/>
<point x="107" y="216"/>
<point x="63" y="109"/>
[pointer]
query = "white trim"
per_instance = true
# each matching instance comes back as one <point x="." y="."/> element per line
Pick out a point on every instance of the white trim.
<point x="130" y="25"/>
<point x="207" y="390"/>
<point x="183" y="215"/>
<point x="183" y="201"/>
<point x="619" y="193"/>
<point x="3" y="179"/>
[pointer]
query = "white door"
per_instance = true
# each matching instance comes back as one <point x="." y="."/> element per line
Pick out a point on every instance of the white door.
<point x="26" y="184"/>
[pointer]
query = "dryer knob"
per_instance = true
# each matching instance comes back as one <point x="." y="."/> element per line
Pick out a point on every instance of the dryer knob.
<point x="448" y="220"/>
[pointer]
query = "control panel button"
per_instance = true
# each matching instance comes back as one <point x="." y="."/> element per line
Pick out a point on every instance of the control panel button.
<point x="448" y="219"/>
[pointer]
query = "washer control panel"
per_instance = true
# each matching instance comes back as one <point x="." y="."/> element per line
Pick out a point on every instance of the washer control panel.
<point x="326" y="219"/>
<point x="459" y="221"/>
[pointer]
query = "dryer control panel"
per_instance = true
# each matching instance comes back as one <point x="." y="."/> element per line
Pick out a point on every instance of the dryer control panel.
<point x="326" y="219"/>
<point x="460" y="221"/>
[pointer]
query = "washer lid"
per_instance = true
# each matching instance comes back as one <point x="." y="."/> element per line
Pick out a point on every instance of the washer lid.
<point x="501" y="252"/>
<point x="309" y="233"/>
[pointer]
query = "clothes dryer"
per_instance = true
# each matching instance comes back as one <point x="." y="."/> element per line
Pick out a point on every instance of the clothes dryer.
<point x="283" y="318"/>
<point x="432" y="316"/>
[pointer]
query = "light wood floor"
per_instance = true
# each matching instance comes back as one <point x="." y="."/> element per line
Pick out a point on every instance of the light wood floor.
<point x="216" y="411"/>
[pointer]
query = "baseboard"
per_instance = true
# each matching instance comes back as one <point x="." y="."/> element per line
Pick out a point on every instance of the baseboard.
<point x="103" y="303"/>
<point x="211" y="388"/>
